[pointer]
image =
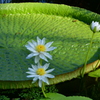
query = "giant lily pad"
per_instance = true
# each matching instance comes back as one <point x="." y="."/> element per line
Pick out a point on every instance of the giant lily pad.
<point x="67" y="26"/>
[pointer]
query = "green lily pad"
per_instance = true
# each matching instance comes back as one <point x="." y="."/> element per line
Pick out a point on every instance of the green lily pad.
<point x="57" y="96"/>
<point x="95" y="73"/>
<point x="67" y="26"/>
<point x="78" y="98"/>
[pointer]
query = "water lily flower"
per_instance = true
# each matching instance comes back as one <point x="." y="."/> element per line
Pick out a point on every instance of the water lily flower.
<point x="39" y="49"/>
<point x="95" y="26"/>
<point x="40" y="73"/>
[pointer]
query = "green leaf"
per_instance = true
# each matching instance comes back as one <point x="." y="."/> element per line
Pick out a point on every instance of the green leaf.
<point x="95" y="73"/>
<point x="77" y="98"/>
<point x="67" y="26"/>
<point x="55" y="96"/>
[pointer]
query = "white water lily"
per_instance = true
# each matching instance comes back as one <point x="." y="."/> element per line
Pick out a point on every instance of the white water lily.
<point x="40" y="73"/>
<point x="39" y="49"/>
<point x="95" y="26"/>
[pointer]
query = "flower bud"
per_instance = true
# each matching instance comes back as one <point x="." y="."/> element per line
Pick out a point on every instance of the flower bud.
<point x="95" y="26"/>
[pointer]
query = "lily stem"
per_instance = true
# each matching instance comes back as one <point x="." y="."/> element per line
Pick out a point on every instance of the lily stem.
<point x="83" y="70"/>
<point x="41" y="62"/>
<point x="43" y="89"/>
<point x="43" y="85"/>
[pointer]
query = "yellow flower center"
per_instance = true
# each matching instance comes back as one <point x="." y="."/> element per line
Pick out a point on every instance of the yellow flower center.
<point x="40" y="71"/>
<point x="40" y="48"/>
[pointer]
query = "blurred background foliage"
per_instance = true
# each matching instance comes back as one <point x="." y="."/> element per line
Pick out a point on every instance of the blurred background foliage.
<point x="93" y="5"/>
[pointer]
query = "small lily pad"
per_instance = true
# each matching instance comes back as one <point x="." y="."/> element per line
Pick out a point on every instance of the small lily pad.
<point x="77" y="98"/>
<point x="95" y="73"/>
<point x="55" y="96"/>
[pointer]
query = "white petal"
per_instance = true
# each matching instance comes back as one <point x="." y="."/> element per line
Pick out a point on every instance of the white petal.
<point x="92" y="27"/>
<point x="39" y="41"/>
<point x="30" y="69"/>
<point x="31" y="76"/>
<point x="46" y="66"/>
<point x="46" y="80"/>
<point x="32" y="73"/>
<point x="40" y="77"/>
<point x="96" y="23"/>
<point x="50" y="70"/>
<point x="37" y="58"/>
<point x="49" y="75"/>
<point x="35" y="79"/>
<point x="47" y="55"/>
<point x="40" y="83"/>
<point x="50" y="49"/>
<point x="35" y="43"/>
<point x="27" y="46"/>
<point x="39" y="65"/>
<point x="31" y="55"/>
<point x="43" y="57"/>
<point x="31" y="44"/>
<point x="48" y="44"/>
<point x="98" y="28"/>
<point x="31" y="49"/>
<point x="43" y="41"/>
<point x="34" y="67"/>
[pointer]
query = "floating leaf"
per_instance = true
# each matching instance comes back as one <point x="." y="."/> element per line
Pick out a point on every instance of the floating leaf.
<point x="57" y="96"/>
<point x="95" y="73"/>
<point x="77" y="98"/>
<point x="21" y="22"/>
